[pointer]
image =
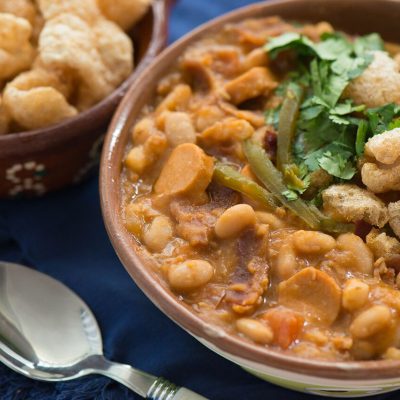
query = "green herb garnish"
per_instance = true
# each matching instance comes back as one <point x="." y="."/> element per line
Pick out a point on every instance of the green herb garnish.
<point x="330" y="132"/>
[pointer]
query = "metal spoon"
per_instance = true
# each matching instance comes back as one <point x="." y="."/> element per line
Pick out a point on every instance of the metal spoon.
<point x="48" y="333"/>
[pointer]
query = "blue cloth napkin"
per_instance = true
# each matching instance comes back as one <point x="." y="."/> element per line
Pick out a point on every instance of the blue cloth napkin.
<point x="63" y="235"/>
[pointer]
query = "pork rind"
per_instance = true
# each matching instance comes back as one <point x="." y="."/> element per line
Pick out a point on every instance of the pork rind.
<point x="99" y="57"/>
<point x="16" y="52"/>
<point x="385" y="147"/>
<point x="125" y="13"/>
<point x="380" y="180"/>
<point x="20" y="8"/>
<point x="351" y="203"/>
<point x="394" y="217"/>
<point x="384" y="174"/>
<point x="25" y="9"/>
<point x="382" y="245"/>
<point x="257" y="81"/>
<point x="4" y="119"/>
<point x="378" y="85"/>
<point x="85" y="9"/>
<point x="35" y="99"/>
<point x="115" y="49"/>
<point x="42" y="77"/>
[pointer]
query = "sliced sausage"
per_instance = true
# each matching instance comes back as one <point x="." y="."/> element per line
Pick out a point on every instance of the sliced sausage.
<point x="187" y="171"/>
<point x="313" y="293"/>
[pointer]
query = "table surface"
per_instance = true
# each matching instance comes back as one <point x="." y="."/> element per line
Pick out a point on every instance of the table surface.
<point x="63" y="235"/>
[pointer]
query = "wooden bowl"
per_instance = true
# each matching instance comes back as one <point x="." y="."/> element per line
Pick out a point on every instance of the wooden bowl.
<point x="35" y="162"/>
<point x="342" y="379"/>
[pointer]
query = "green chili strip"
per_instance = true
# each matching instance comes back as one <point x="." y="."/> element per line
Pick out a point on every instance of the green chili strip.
<point x="287" y="125"/>
<point x="262" y="166"/>
<point x="229" y="177"/>
<point x="331" y="226"/>
<point x="361" y="137"/>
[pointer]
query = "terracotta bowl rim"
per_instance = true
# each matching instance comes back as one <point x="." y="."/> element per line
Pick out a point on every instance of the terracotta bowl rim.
<point x="159" y="10"/>
<point x="150" y="285"/>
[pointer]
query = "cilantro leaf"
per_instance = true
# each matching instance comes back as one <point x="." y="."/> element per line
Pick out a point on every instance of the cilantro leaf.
<point x="297" y="177"/>
<point x="327" y="87"/>
<point x="290" y="40"/>
<point x="394" y="124"/>
<point x="346" y="108"/>
<point x="380" y="118"/>
<point x="290" y="195"/>
<point x="338" y="119"/>
<point x="317" y="76"/>
<point x="338" y="164"/>
<point x="282" y="41"/>
<point x="330" y="48"/>
<point x="334" y="89"/>
<point x="339" y="114"/>
<point x="371" y="42"/>
<point x="316" y="132"/>
<point x="351" y="67"/>
<point x="312" y="112"/>
<point x="333" y="47"/>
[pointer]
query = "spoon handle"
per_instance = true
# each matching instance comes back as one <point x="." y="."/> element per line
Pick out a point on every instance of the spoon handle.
<point x="146" y="385"/>
<point x="165" y="390"/>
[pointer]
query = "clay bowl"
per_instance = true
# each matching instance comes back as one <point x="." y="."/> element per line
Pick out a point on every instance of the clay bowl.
<point x="35" y="162"/>
<point x="342" y="379"/>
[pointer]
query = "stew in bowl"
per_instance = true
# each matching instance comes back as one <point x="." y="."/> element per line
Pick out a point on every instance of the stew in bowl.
<point x="264" y="183"/>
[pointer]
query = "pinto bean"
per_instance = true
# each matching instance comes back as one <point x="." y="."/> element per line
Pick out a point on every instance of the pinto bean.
<point x="179" y="128"/>
<point x="144" y="155"/>
<point x="228" y="130"/>
<point x="133" y="220"/>
<point x="177" y="100"/>
<point x="255" y="330"/>
<point x="370" y="321"/>
<point x="190" y="275"/>
<point x="206" y="116"/>
<point x="136" y="159"/>
<point x="158" y="234"/>
<point x="362" y="257"/>
<point x="269" y="219"/>
<point x="355" y="294"/>
<point x="363" y="350"/>
<point x="392" y="353"/>
<point x="286" y="263"/>
<point x="234" y="220"/>
<point x="310" y="242"/>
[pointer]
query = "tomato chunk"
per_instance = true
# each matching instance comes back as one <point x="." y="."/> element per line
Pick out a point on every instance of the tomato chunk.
<point x="285" y="324"/>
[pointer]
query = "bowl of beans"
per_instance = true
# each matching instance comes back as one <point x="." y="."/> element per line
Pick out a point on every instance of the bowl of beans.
<point x="250" y="186"/>
<point x="58" y="92"/>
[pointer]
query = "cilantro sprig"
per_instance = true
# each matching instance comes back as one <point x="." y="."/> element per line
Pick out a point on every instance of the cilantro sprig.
<point x="330" y="132"/>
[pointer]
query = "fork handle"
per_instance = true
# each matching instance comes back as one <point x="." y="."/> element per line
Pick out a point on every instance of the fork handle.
<point x="165" y="390"/>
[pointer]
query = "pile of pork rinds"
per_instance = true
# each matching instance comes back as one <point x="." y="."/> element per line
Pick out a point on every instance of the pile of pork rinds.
<point x="60" y="57"/>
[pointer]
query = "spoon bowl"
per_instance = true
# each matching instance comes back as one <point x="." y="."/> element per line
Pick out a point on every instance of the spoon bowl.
<point x="68" y="333"/>
<point x="48" y="333"/>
